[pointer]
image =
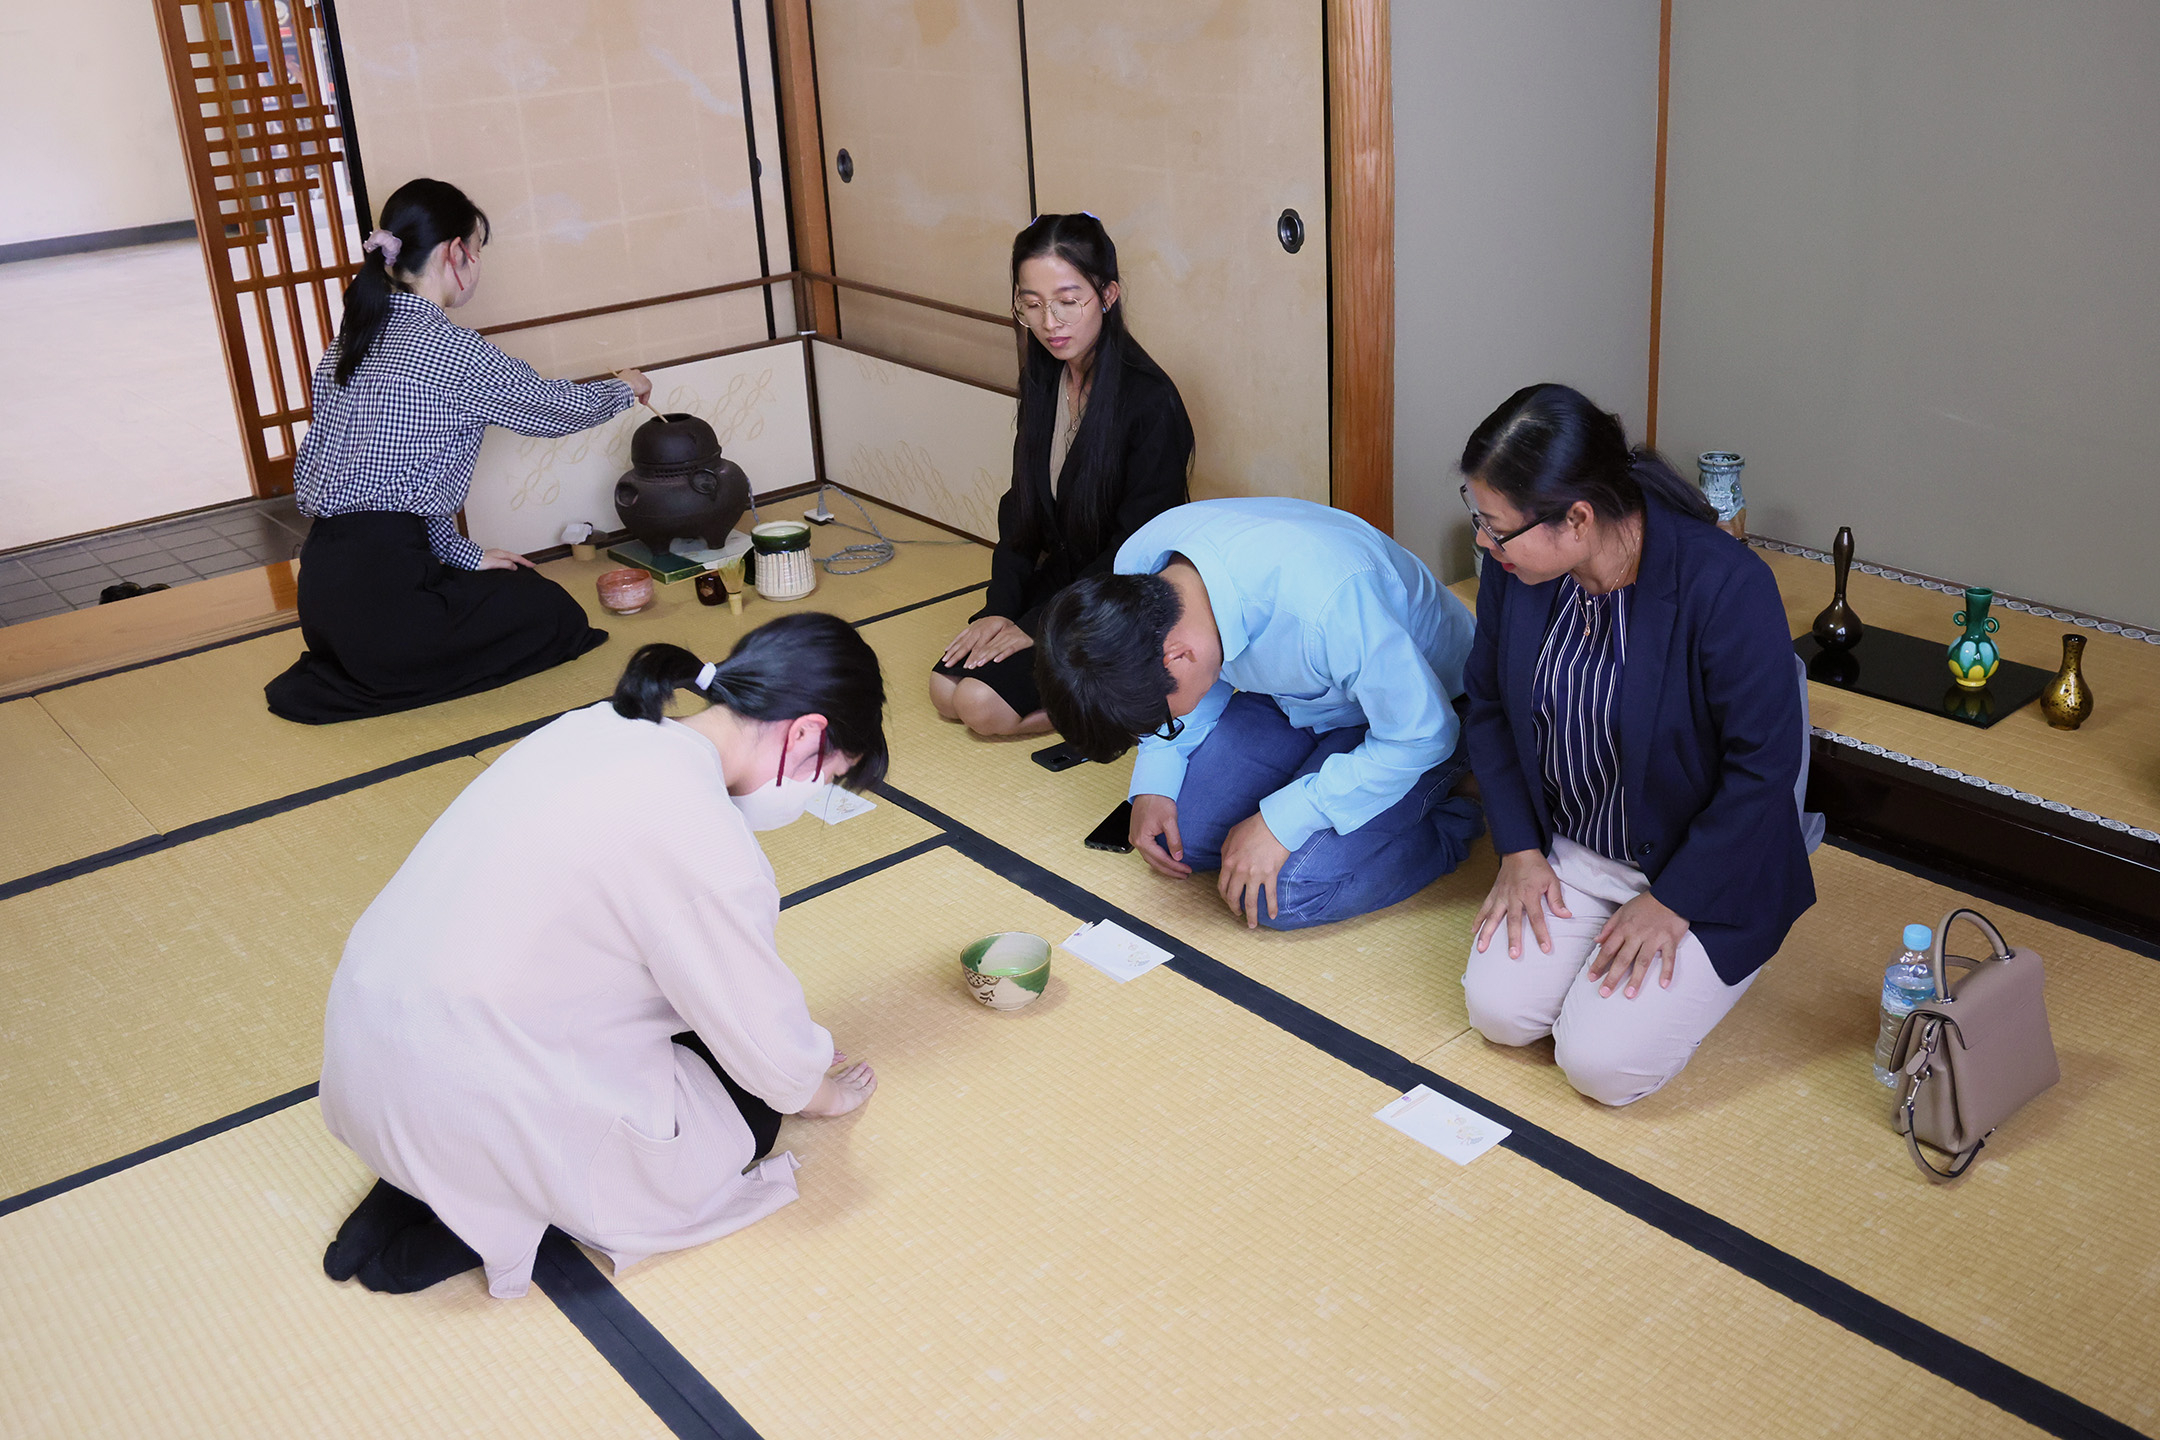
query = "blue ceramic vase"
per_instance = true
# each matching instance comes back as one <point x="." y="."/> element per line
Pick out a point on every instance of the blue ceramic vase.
<point x="1973" y="656"/>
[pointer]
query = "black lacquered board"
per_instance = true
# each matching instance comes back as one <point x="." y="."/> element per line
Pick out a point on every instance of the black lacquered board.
<point x="1915" y="673"/>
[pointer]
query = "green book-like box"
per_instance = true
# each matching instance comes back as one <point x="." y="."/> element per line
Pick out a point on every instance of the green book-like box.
<point x="666" y="567"/>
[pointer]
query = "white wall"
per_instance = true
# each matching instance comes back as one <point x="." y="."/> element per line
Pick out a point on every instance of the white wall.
<point x="1911" y="275"/>
<point x="87" y="136"/>
<point x="1525" y="156"/>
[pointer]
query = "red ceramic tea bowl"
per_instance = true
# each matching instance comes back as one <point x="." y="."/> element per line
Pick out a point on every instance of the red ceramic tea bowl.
<point x="625" y="591"/>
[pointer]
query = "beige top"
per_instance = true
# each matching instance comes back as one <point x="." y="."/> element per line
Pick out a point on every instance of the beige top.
<point x="497" y="1039"/>
<point x="1062" y="432"/>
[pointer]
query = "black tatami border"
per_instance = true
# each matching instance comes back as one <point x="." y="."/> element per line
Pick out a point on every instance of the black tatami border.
<point x="217" y="824"/>
<point x="1817" y="1290"/>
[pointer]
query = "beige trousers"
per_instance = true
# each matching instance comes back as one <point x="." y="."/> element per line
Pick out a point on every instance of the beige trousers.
<point x="1613" y="1049"/>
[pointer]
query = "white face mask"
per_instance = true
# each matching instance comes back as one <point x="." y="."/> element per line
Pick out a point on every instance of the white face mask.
<point x="771" y="806"/>
<point x="783" y="801"/>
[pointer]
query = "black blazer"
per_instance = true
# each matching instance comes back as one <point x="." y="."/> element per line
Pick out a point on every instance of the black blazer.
<point x="1710" y="734"/>
<point x="1153" y="441"/>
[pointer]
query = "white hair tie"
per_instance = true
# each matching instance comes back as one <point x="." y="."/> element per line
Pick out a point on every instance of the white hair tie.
<point x="705" y="676"/>
<point x="386" y="242"/>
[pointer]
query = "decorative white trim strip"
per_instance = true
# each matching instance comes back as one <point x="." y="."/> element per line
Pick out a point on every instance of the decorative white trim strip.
<point x="1951" y="587"/>
<point x="1977" y="782"/>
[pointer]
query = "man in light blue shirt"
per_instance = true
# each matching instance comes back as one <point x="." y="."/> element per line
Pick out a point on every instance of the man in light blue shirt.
<point x="1289" y="672"/>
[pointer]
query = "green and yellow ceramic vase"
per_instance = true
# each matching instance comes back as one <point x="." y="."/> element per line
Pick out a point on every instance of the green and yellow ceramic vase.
<point x="1973" y="656"/>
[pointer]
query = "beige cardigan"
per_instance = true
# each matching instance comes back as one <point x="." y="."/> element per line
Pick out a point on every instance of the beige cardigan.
<point x="497" y="1035"/>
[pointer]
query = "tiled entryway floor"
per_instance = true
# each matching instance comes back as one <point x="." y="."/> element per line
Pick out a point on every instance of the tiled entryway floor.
<point x="48" y="579"/>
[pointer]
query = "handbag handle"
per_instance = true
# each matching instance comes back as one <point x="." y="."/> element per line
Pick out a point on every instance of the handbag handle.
<point x="1942" y="938"/>
<point x="1917" y="1069"/>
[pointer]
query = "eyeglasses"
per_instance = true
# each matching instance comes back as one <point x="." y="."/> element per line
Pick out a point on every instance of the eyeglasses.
<point x="1031" y="310"/>
<point x="1485" y="526"/>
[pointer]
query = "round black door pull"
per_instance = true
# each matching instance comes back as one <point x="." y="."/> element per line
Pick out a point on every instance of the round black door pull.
<point x="1290" y="230"/>
<point x="846" y="162"/>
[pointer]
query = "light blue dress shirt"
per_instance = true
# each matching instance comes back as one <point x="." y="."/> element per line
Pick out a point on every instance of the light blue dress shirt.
<point x="1339" y="625"/>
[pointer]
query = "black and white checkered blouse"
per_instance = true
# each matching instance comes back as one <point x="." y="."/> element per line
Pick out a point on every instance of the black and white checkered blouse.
<point x="404" y="434"/>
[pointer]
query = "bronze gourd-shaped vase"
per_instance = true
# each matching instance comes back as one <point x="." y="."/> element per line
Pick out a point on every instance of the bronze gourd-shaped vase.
<point x="2068" y="699"/>
<point x="1838" y="628"/>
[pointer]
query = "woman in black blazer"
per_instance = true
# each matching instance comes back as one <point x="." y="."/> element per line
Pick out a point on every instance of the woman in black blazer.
<point x="1103" y="447"/>
<point x="1639" y="731"/>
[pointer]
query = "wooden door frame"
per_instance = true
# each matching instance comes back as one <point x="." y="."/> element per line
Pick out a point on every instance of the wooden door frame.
<point x="802" y="150"/>
<point x="1361" y="259"/>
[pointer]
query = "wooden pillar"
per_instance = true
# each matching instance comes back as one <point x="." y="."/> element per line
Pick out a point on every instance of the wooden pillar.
<point x="1657" y="224"/>
<point x="1361" y="258"/>
<point x="802" y="144"/>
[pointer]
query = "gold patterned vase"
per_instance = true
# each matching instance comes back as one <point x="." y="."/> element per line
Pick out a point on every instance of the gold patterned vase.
<point x="2068" y="699"/>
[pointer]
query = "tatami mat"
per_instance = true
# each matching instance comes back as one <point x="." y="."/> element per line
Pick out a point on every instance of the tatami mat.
<point x="175" y="988"/>
<point x="1784" y="1083"/>
<point x="145" y="999"/>
<point x="186" y="1297"/>
<point x="1778" y="1125"/>
<point x="2110" y="765"/>
<point x="191" y="739"/>
<point x="1376" y="974"/>
<point x="1139" y="1210"/>
<point x="59" y="807"/>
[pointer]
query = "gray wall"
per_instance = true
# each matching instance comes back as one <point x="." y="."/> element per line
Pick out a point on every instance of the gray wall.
<point x="1912" y="272"/>
<point x="1525" y="151"/>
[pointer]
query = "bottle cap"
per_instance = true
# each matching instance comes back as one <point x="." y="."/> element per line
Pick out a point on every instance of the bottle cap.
<point x="1919" y="937"/>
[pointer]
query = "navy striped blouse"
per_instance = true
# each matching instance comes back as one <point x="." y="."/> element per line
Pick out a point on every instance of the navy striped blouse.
<point x="1577" y="696"/>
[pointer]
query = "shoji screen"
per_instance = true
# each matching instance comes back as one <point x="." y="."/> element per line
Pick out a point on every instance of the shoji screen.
<point x="1190" y="130"/>
<point x="925" y="101"/>
<point x="1909" y="273"/>
<point x="608" y="145"/>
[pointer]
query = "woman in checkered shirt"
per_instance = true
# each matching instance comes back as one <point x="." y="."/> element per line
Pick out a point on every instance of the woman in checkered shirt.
<point x="397" y="609"/>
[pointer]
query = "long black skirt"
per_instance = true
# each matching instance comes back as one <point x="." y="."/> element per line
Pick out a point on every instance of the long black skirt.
<point x="389" y="627"/>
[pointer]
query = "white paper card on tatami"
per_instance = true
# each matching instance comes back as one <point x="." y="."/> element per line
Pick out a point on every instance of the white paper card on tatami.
<point x="1114" y="950"/>
<point x="1431" y="1119"/>
<point x="836" y="805"/>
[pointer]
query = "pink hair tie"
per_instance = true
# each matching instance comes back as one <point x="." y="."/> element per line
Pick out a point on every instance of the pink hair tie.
<point x="386" y="242"/>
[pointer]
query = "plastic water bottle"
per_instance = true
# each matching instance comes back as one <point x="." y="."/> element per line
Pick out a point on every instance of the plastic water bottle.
<point x="1908" y="981"/>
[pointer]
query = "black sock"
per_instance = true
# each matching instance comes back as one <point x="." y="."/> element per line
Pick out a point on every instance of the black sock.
<point x="372" y="1225"/>
<point x="418" y="1256"/>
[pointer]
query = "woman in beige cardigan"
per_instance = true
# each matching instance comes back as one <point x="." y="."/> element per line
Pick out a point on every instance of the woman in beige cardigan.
<point x="567" y="1007"/>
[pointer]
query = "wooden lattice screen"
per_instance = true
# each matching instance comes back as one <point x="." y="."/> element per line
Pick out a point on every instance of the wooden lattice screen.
<point x="274" y="206"/>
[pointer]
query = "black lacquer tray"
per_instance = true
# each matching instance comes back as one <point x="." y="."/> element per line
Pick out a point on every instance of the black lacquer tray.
<point x="1909" y="671"/>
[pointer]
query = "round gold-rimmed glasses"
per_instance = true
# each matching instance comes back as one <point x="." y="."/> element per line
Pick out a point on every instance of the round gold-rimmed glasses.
<point x="1032" y="311"/>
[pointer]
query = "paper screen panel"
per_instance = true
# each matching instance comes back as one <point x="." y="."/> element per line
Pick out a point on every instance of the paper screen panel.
<point x="526" y="490"/>
<point x="926" y="99"/>
<point x="919" y="441"/>
<point x="606" y="144"/>
<point x="1189" y="130"/>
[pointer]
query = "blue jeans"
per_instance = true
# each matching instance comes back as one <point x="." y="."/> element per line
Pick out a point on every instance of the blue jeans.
<point x="1254" y="751"/>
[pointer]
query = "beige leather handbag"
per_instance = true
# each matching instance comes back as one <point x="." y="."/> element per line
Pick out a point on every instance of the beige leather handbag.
<point x="1969" y="1058"/>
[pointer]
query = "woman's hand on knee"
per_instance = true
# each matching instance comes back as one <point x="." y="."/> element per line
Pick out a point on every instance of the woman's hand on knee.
<point x="841" y="1092"/>
<point x="1640" y="934"/>
<point x="993" y="637"/>
<point x="503" y="560"/>
<point x="1521" y="893"/>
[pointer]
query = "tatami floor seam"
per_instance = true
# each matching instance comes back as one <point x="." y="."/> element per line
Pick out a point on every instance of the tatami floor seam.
<point x="156" y="842"/>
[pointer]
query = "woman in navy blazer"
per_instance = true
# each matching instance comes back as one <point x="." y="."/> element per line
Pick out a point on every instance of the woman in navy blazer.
<point x="1638" y="731"/>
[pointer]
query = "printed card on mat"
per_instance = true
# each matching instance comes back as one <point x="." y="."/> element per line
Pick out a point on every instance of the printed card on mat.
<point x="1432" y="1119"/>
<point x="1114" y="950"/>
<point x="836" y="805"/>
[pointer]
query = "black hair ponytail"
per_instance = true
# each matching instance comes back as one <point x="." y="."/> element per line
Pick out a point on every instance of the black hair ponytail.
<point x="1547" y="447"/>
<point x="1092" y="497"/>
<point x="422" y="214"/>
<point x="808" y="663"/>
